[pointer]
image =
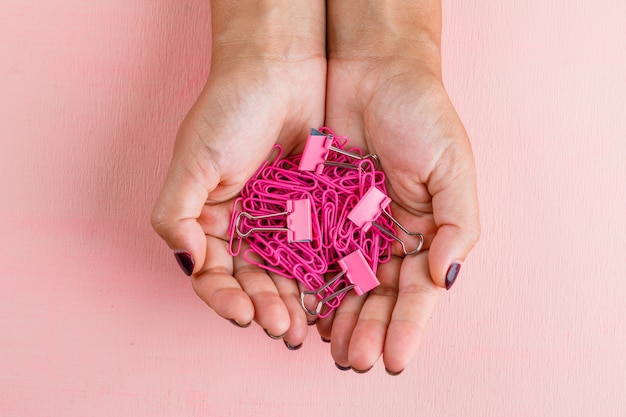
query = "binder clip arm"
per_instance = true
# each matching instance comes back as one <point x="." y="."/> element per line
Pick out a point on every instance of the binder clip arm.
<point x="358" y="273"/>
<point x="373" y="204"/>
<point x="298" y="222"/>
<point x="316" y="150"/>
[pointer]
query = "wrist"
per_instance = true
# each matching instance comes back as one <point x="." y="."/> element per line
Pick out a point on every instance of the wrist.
<point x="286" y="30"/>
<point x="383" y="30"/>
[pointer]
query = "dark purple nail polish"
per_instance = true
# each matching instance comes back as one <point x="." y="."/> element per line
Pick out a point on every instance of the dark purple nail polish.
<point x="312" y="323"/>
<point x="271" y="336"/>
<point x="292" y="347"/>
<point x="358" y="371"/>
<point x="452" y="273"/>
<point x="185" y="261"/>
<point x="393" y="373"/>
<point x="236" y="323"/>
<point x="325" y="340"/>
<point x="343" y="368"/>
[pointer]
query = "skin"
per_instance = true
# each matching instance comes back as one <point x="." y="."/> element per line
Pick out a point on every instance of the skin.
<point x="385" y="92"/>
<point x="372" y="73"/>
<point x="266" y="86"/>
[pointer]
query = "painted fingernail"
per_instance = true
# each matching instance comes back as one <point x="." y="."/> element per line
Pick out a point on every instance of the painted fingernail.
<point x="358" y="371"/>
<point x="452" y="274"/>
<point x="393" y="373"/>
<point x="274" y="337"/>
<point x="342" y="368"/>
<point x="236" y="323"/>
<point x="312" y="323"/>
<point x="325" y="340"/>
<point x="292" y="347"/>
<point x="185" y="261"/>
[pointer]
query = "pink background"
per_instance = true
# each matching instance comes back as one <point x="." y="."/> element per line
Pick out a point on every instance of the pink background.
<point x="96" y="319"/>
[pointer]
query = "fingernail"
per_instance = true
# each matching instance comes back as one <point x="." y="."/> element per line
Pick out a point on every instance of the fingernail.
<point x="274" y="337"/>
<point x="342" y="368"/>
<point x="325" y="340"/>
<point x="452" y="274"/>
<point x="236" y="323"/>
<point x="312" y="323"/>
<point x="393" y="373"/>
<point x="291" y="347"/>
<point x="185" y="261"/>
<point x="358" y="371"/>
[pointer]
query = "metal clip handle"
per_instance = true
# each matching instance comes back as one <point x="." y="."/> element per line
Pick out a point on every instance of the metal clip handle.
<point x="317" y="148"/>
<point x="298" y="222"/>
<point x="373" y="204"/>
<point x="359" y="274"/>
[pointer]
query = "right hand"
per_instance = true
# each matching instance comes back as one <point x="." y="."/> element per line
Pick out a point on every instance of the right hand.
<point x="248" y="105"/>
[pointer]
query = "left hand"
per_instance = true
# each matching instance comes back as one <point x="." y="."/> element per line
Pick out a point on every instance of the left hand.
<point x="401" y="112"/>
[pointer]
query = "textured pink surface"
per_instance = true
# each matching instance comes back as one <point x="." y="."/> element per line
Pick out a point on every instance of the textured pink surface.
<point x="96" y="319"/>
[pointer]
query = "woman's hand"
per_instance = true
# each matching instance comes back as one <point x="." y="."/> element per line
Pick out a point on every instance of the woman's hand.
<point x="386" y="94"/>
<point x="266" y="86"/>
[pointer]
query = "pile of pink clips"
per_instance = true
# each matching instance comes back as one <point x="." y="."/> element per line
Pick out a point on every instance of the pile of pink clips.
<point x="322" y="217"/>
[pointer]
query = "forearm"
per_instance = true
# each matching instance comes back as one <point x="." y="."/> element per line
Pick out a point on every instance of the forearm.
<point x="274" y="29"/>
<point x="373" y="29"/>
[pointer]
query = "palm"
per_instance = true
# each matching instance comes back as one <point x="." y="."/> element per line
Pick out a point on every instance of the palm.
<point x="243" y="113"/>
<point x="407" y="120"/>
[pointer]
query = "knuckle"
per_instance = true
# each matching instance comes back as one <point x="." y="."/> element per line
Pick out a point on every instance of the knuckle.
<point x="160" y="222"/>
<point x="385" y="291"/>
<point x="474" y="233"/>
<point x="419" y="289"/>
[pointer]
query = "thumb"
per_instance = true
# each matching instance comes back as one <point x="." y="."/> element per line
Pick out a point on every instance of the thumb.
<point x="455" y="209"/>
<point x="175" y="215"/>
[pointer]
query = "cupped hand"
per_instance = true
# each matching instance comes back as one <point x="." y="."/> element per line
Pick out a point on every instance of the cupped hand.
<point x="399" y="110"/>
<point x="247" y="106"/>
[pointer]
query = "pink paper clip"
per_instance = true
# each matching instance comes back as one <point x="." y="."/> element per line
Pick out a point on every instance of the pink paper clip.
<point x="373" y="204"/>
<point x="298" y="228"/>
<point x="358" y="273"/>
<point x="316" y="150"/>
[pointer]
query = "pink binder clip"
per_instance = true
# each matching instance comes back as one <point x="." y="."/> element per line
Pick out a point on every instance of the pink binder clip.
<point x="359" y="274"/>
<point x="373" y="204"/>
<point x="317" y="148"/>
<point x="298" y="228"/>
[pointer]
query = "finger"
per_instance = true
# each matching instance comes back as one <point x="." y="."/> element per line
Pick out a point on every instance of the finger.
<point x="368" y="337"/>
<point x="215" y="219"/>
<point x="216" y="285"/>
<point x="345" y="319"/>
<point x="417" y="298"/>
<point x="290" y="294"/>
<point x="270" y="310"/>
<point x="455" y="210"/>
<point x="325" y="326"/>
<point x="180" y="204"/>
